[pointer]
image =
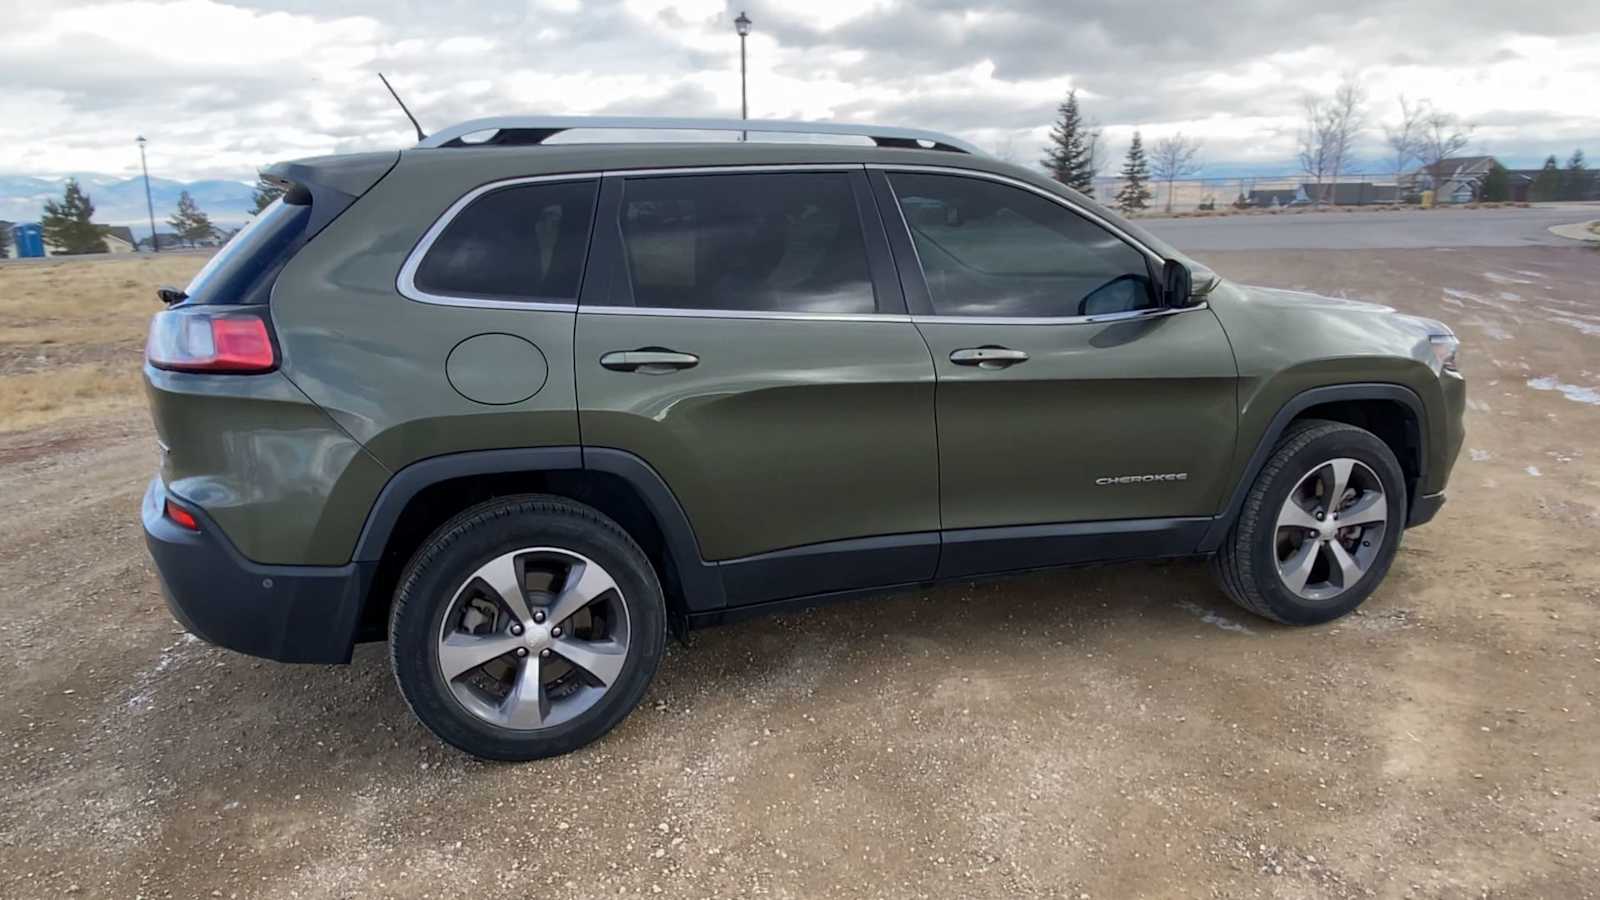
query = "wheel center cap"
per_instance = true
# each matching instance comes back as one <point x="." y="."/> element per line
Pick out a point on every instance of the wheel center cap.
<point x="536" y="636"/>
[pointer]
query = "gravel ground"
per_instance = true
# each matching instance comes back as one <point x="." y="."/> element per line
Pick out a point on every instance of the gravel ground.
<point x="1105" y="732"/>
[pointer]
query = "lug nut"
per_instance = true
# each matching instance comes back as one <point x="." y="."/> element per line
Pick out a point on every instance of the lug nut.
<point x="522" y="651"/>
<point x="1319" y="515"/>
<point x="516" y="629"/>
<point x="556" y="631"/>
<point x="545" y="653"/>
<point x="538" y="616"/>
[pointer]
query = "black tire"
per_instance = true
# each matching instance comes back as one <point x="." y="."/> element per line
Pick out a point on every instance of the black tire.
<point x="453" y="552"/>
<point x="1246" y="566"/>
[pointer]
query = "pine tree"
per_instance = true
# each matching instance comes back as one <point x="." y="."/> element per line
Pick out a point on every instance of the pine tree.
<point x="1496" y="187"/>
<point x="1547" y="184"/>
<point x="1069" y="157"/>
<point x="189" y="222"/>
<point x="1575" y="181"/>
<point x="1135" y="192"/>
<point x="264" y="195"/>
<point x="66" y="225"/>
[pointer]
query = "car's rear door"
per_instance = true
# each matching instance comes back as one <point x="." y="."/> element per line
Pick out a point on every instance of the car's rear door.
<point x="1077" y="419"/>
<point x="742" y="331"/>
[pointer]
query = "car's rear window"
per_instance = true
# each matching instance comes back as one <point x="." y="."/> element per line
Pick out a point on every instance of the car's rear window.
<point x="256" y="250"/>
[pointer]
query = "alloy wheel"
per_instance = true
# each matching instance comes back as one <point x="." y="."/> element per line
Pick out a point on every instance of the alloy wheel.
<point x="533" y="638"/>
<point x="1330" y="529"/>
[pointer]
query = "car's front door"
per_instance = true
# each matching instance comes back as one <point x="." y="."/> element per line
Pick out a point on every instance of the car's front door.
<point x="744" y="334"/>
<point x="1067" y="398"/>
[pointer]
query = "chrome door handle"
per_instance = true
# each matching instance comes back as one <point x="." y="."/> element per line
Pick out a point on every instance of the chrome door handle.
<point x="988" y="357"/>
<point x="648" y="360"/>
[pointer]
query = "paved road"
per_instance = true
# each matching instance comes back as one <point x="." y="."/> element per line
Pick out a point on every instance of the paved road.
<point x="1375" y="230"/>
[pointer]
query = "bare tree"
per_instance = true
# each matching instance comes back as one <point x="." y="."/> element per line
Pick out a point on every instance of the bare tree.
<point x="1443" y="135"/>
<point x="1006" y="150"/>
<point x="1091" y="146"/>
<point x="1348" y="117"/>
<point x="1405" y="138"/>
<point x="1329" y="133"/>
<point x="1174" y="158"/>
<point x="1316" y="143"/>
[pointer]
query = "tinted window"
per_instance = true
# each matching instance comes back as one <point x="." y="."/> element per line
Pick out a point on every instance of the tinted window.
<point x="524" y="242"/>
<point x="787" y="242"/>
<point x="989" y="249"/>
<point x="254" y="251"/>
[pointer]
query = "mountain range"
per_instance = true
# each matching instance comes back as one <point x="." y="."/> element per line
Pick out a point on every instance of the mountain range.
<point x="120" y="201"/>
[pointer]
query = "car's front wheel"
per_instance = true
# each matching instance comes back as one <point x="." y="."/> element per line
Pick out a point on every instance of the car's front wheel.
<point x="526" y="627"/>
<point x="1319" y="528"/>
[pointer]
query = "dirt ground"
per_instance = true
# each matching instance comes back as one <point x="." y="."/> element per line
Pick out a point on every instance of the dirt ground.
<point x="1109" y="732"/>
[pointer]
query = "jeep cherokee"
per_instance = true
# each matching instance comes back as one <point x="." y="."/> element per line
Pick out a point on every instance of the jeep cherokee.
<point x="520" y="406"/>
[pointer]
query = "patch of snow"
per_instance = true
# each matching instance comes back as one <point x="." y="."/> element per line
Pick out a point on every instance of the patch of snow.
<point x="1529" y="274"/>
<point x="1492" y="329"/>
<point x="1507" y="295"/>
<point x="1481" y="455"/>
<point x="1533" y="470"/>
<point x="1498" y="278"/>
<point x="1211" y="618"/>
<point x="1572" y="392"/>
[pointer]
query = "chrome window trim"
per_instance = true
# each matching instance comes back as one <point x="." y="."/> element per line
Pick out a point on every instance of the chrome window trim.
<point x="406" y="282"/>
<point x="1109" y="318"/>
<point x="697" y="313"/>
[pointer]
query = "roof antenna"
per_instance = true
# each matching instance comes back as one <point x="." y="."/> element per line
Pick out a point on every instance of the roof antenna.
<point x="420" y="135"/>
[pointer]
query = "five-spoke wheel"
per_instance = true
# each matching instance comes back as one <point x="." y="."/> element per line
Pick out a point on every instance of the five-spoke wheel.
<point x="1330" y="527"/>
<point x="526" y="627"/>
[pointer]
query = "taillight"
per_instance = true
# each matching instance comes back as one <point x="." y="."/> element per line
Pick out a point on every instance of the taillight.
<point x="192" y="339"/>
<point x="181" y="516"/>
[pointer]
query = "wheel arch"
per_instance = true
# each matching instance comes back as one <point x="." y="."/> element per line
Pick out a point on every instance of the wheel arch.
<point x="1393" y="412"/>
<point x="421" y="496"/>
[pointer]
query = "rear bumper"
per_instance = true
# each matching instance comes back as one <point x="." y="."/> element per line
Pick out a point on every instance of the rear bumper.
<point x="302" y="614"/>
<point x="1424" y="508"/>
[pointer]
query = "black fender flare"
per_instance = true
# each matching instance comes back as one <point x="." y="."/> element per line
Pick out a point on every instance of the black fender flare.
<point x="702" y="584"/>
<point x="1280" y="422"/>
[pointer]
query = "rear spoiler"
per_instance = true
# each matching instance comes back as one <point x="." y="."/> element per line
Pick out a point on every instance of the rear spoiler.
<point x="334" y="182"/>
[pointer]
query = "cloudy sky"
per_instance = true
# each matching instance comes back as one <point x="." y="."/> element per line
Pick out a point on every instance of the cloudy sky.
<point x="220" y="88"/>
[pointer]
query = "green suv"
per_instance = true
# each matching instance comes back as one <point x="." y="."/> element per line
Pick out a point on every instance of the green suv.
<point x="522" y="406"/>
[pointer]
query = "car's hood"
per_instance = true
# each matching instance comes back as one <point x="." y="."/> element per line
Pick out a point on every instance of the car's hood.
<point x="1277" y="297"/>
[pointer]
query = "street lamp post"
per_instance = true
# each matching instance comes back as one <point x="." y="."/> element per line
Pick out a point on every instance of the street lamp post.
<point x="742" y="25"/>
<point x="149" y="205"/>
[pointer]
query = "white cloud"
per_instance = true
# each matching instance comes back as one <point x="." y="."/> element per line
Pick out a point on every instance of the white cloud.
<point x="221" y="88"/>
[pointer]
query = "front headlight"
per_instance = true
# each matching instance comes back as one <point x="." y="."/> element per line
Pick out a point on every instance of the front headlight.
<point x="1444" y="350"/>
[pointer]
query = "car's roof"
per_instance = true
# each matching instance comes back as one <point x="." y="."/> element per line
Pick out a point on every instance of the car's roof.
<point x="466" y="167"/>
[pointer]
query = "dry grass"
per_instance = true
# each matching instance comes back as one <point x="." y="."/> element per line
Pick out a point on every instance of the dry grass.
<point x="71" y="330"/>
<point x="39" y="398"/>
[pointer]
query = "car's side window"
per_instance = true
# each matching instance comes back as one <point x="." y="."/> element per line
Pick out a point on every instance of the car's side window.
<point x="990" y="249"/>
<point x="519" y="242"/>
<point x="779" y="242"/>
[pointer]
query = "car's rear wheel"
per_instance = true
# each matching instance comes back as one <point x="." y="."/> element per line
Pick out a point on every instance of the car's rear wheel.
<point x="1319" y="528"/>
<point x="526" y="627"/>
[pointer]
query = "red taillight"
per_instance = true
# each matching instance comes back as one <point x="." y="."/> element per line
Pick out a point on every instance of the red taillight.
<point x="195" y="340"/>
<point x="182" y="517"/>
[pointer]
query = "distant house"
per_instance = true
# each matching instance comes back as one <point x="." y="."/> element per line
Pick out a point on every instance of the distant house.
<point x="1455" y="179"/>
<point x="118" y="238"/>
<point x="169" y="241"/>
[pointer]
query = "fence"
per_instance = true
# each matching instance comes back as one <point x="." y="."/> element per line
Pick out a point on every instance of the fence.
<point x="1260" y="191"/>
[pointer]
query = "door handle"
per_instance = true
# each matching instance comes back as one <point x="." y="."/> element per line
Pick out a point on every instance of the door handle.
<point x="988" y="357"/>
<point x="648" y="360"/>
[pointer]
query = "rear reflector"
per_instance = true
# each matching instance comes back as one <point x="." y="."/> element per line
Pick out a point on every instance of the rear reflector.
<point x="190" y="339"/>
<point x="182" y="517"/>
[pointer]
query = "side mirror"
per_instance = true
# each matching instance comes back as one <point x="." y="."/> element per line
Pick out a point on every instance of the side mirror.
<point x="1177" y="285"/>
